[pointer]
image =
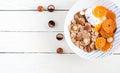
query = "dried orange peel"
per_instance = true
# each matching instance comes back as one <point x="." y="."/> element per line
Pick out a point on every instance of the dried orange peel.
<point x="105" y="29"/>
<point x="107" y="47"/>
<point x="100" y="11"/>
<point x="97" y="27"/>
<point x="109" y="25"/>
<point x="105" y="34"/>
<point x="111" y="15"/>
<point x="100" y="43"/>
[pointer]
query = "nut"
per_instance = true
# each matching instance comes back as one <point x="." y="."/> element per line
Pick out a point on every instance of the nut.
<point x="86" y="41"/>
<point x="88" y="49"/>
<point x="74" y="28"/>
<point x="80" y="21"/>
<point x="72" y="35"/>
<point x="73" y="40"/>
<point x="92" y="45"/>
<point x="82" y="44"/>
<point x="73" y="21"/>
<point x="110" y="39"/>
<point x="40" y="8"/>
<point x="59" y="36"/>
<point x="81" y="47"/>
<point x="76" y="17"/>
<point x="59" y="50"/>
<point x="51" y="8"/>
<point x="87" y="27"/>
<point x="51" y="23"/>
<point x="77" y="38"/>
<point x="85" y="34"/>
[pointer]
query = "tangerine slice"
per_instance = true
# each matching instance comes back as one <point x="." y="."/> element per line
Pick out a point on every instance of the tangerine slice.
<point x="105" y="34"/>
<point x="111" y="15"/>
<point x="100" y="11"/>
<point x="107" y="47"/>
<point x="100" y="43"/>
<point x="109" y="25"/>
<point x="97" y="27"/>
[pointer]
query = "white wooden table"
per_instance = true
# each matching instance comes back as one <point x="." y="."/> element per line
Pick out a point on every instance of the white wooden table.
<point x="28" y="45"/>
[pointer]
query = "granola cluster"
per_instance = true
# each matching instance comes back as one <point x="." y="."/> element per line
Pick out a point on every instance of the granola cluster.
<point x="82" y="33"/>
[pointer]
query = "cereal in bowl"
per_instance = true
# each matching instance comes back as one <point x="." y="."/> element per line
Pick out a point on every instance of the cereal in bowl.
<point x="96" y="36"/>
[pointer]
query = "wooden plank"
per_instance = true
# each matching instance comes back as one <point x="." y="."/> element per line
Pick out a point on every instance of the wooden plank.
<point x="53" y="63"/>
<point x="31" y="42"/>
<point x="31" y="20"/>
<point x="32" y="4"/>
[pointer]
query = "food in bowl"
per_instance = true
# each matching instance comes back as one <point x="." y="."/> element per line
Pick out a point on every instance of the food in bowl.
<point x="93" y="29"/>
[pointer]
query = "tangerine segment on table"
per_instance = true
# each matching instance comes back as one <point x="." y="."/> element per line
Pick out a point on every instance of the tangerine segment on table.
<point x="100" y="11"/>
<point x="100" y="43"/>
<point x="107" y="47"/>
<point x="104" y="34"/>
<point x="109" y="25"/>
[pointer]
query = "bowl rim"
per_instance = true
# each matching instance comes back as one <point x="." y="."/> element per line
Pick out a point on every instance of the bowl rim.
<point x="66" y="31"/>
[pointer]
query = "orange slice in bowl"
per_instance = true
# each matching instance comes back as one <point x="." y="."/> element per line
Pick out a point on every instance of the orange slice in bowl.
<point x="97" y="27"/>
<point x="100" y="11"/>
<point x="100" y="43"/>
<point x="105" y="34"/>
<point x="109" y="25"/>
<point x="107" y="47"/>
<point x="111" y="15"/>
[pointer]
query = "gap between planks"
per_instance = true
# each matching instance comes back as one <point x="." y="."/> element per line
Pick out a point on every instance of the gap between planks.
<point x="37" y="10"/>
<point x="34" y="53"/>
<point x="116" y="54"/>
<point x="32" y="31"/>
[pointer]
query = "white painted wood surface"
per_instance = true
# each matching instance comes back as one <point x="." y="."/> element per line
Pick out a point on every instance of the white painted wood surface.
<point x="28" y="45"/>
<point x="31" y="20"/>
<point x="32" y="4"/>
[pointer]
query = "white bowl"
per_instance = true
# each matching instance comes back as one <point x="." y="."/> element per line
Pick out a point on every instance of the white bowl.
<point x="81" y="4"/>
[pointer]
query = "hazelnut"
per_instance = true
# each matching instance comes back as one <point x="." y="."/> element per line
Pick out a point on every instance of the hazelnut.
<point x="80" y="21"/>
<point x="76" y="17"/>
<point x="73" y="40"/>
<point x="82" y="44"/>
<point x="110" y="39"/>
<point x="72" y="35"/>
<point x="51" y="23"/>
<point x="85" y="34"/>
<point x="51" y="8"/>
<point x="74" y="28"/>
<point x="59" y="36"/>
<point x="87" y="27"/>
<point x="86" y="41"/>
<point x="81" y="47"/>
<point x="92" y="45"/>
<point x="77" y="43"/>
<point x="77" y="38"/>
<point x="40" y="8"/>
<point x="79" y="15"/>
<point x="73" y="21"/>
<point x="59" y="50"/>
<point x="88" y="49"/>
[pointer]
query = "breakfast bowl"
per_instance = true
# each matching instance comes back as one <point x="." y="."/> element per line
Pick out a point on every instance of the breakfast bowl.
<point x="87" y="6"/>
